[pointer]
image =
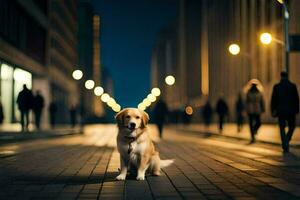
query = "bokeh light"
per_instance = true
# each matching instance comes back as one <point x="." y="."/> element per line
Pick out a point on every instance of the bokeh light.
<point x="170" y="80"/>
<point x="234" y="49"/>
<point x="77" y="74"/>
<point x="155" y="91"/>
<point x="189" y="110"/>
<point x="266" y="38"/>
<point x="89" y="84"/>
<point x="105" y="97"/>
<point x="98" y="91"/>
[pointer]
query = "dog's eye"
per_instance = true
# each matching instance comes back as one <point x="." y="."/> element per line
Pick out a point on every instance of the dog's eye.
<point x="137" y="117"/>
<point x="127" y="116"/>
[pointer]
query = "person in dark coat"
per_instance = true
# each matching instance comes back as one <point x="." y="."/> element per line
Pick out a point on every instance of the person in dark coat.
<point x="222" y="111"/>
<point x="207" y="112"/>
<point x="73" y="115"/>
<point x="239" y="110"/>
<point x="255" y="106"/>
<point x="285" y="106"/>
<point x="52" y="112"/>
<point x="160" y="112"/>
<point x="37" y="108"/>
<point x="1" y="113"/>
<point x="25" y="103"/>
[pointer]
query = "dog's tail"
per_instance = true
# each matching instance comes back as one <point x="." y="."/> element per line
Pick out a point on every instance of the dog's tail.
<point x="166" y="163"/>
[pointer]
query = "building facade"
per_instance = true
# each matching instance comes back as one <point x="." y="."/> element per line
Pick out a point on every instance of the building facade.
<point x="206" y="70"/>
<point x="38" y="47"/>
<point x="63" y="56"/>
<point x="23" y="55"/>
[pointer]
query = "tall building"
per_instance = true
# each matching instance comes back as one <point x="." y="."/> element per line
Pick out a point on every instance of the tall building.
<point x="98" y="106"/>
<point x="206" y="69"/>
<point x="62" y="56"/>
<point x="38" y="47"/>
<point x="23" y="52"/>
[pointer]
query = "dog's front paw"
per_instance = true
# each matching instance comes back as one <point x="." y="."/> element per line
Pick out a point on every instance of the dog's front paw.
<point x="140" y="178"/>
<point x="121" y="177"/>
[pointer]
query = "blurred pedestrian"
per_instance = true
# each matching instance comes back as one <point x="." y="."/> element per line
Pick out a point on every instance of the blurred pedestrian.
<point x="222" y="111"/>
<point x="255" y="106"/>
<point x="1" y="112"/>
<point x="73" y="114"/>
<point x="25" y="103"/>
<point x="239" y="111"/>
<point x="52" y="112"/>
<point x="38" y="108"/>
<point x="186" y="117"/>
<point x="207" y="112"/>
<point x="160" y="112"/>
<point x="285" y="106"/>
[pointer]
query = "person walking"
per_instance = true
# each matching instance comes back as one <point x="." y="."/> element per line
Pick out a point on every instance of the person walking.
<point x="73" y="114"/>
<point x="1" y="112"/>
<point x="255" y="107"/>
<point x="239" y="111"/>
<point x="222" y="111"/>
<point x="160" y="112"/>
<point x="37" y="108"/>
<point x="52" y="112"/>
<point x="285" y="106"/>
<point x="207" y="112"/>
<point x="25" y="102"/>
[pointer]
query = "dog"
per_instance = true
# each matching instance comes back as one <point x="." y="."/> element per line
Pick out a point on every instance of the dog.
<point x="135" y="146"/>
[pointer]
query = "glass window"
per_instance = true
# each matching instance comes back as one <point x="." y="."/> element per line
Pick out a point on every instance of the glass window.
<point x="21" y="77"/>
<point x="6" y="91"/>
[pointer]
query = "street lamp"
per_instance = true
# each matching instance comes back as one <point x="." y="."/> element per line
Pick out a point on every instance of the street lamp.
<point x="77" y="74"/>
<point x="155" y="91"/>
<point x="151" y="97"/>
<point x="98" y="91"/>
<point x="105" y="97"/>
<point x="170" y="80"/>
<point x="234" y="49"/>
<point x="89" y="84"/>
<point x="266" y="38"/>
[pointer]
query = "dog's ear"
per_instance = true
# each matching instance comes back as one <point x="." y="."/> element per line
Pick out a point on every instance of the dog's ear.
<point x="120" y="117"/>
<point x="145" y="119"/>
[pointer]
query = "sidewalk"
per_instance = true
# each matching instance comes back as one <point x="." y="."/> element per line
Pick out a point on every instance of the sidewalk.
<point x="13" y="133"/>
<point x="268" y="133"/>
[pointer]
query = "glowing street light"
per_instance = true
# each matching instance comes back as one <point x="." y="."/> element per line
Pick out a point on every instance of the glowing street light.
<point x="234" y="49"/>
<point x="105" y="97"/>
<point x="151" y="98"/>
<point x="77" y="74"/>
<point x="89" y="84"/>
<point x="146" y="102"/>
<point x="116" y="108"/>
<point x="170" y="80"/>
<point x="111" y="102"/>
<point x="280" y="1"/>
<point x="266" y="38"/>
<point x="155" y="91"/>
<point x="141" y="106"/>
<point x="98" y="91"/>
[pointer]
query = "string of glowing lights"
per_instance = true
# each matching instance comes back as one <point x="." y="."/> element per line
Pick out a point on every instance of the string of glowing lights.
<point x="151" y="98"/>
<point x="98" y="91"/>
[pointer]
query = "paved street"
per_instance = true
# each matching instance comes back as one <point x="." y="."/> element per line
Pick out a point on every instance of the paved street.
<point x="206" y="167"/>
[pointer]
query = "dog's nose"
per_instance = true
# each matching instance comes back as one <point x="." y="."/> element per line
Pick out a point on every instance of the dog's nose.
<point x="132" y="125"/>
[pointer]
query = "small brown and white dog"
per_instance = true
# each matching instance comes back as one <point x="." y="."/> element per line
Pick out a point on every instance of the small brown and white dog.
<point x="135" y="146"/>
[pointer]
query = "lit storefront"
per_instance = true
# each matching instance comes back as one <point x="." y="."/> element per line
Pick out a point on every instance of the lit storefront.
<point x="12" y="80"/>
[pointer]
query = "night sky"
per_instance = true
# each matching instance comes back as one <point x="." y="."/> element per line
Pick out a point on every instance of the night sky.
<point x="128" y="31"/>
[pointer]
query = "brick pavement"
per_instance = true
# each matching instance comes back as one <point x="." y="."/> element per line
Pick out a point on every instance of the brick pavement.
<point x="206" y="167"/>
